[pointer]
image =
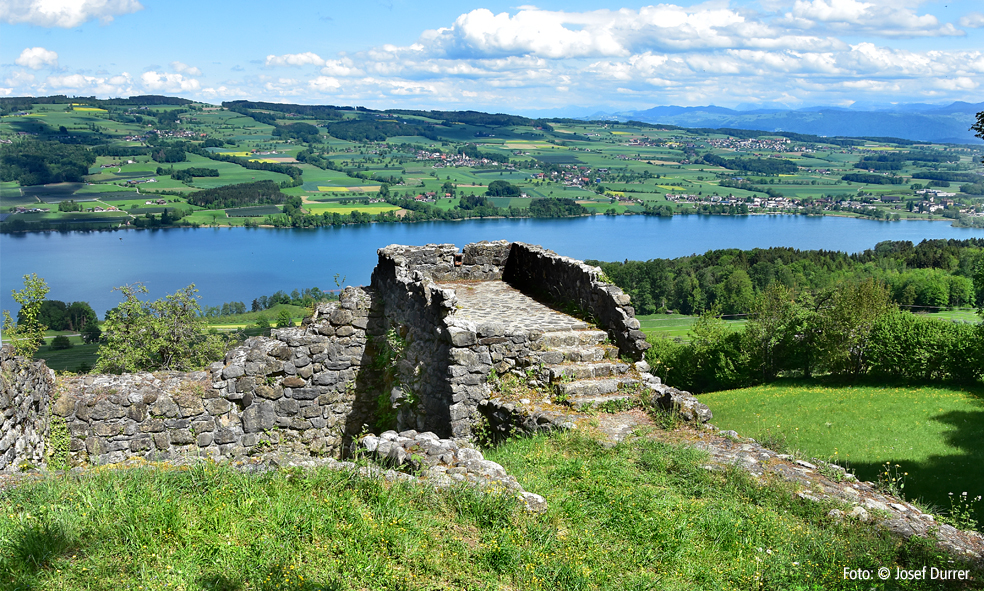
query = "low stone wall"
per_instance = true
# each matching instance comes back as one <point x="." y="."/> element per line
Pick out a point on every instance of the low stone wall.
<point x="25" y="394"/>
<point x="297" y="392"/>
<point x="536" y="270"/>
<point x="479" y="261"/>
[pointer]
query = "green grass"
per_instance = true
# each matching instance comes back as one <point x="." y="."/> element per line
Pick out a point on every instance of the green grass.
<point x="932" y="432"/>
<point x="674" y="326"/>
<point x="69" y="359"/>
<point x="640" y="516"/>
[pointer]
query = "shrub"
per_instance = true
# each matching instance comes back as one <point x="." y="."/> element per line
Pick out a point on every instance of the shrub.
<point x="27" y="334"/>
<point x="61" y="342"/>
<point x="169" y="333"/>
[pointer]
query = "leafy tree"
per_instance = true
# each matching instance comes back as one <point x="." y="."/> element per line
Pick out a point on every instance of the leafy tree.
<point x="775" y="331"/>
<point x="283" y="318"/>
<point x="27" y="334"/>
<point x="51" y="314"/>
<point x="502" y="189"/>
<point x="91" y="333"/>
<point x="843" y="324"/>
<point x="169" y="334"/>
<point x="78" y="315"/>
<point x="978" y="127"/>
<point x="979" y="285"/>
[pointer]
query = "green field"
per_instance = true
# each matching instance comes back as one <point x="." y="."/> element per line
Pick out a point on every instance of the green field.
<point x="674" y="326"/>
<point x="580" y="160"/>
<point x="320" y="208"/>
<point x="932" y="433"/>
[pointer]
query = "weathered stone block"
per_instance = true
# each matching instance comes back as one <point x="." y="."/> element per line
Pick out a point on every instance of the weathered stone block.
<point x="259" y="417"/>
<point x="137" y="412"/>
<point x="217" y="406"/>
<point x="64" y="406"/>
<point x="161" y="441"/>
<point x="223" y="436"/>
<point x="104" y="409"/>
<point x="286" y="407"/>
<point x="181" y="437"/>
<point x="204" y="439"/>
<point x="141" y="443"/>
<point x="232" y="372"/>
<point x="269" y="392"/>
<point x="294" y="382"/>
<point x="107" y="429"/>
<point x="165" y="407"/>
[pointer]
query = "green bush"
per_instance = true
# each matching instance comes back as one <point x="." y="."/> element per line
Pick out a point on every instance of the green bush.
<point x="911" y="347"/>
<point x="60" y="342"/>
<point x="169" y="333"/>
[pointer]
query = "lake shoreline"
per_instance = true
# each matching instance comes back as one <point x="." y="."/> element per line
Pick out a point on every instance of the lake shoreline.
<point x="953" y="223"/>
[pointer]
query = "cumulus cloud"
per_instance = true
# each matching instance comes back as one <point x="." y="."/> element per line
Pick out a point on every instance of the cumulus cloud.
<point x="161" y="81"/>
<point x="295" y="59"/>
<point x="973" y="20"/>
<point x="37" y="58"/>
<point x="324" y="84"/>
<point x="183" y="68"/>
<point x="64" y="13"/>
<point x="119" y="85"/>
<point x="880" y="17"/>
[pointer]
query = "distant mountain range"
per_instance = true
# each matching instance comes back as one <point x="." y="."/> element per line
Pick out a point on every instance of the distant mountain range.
<point x="921" y="122"/>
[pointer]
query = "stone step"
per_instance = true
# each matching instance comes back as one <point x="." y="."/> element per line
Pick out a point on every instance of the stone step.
<point x="584" y="401"/>
<point x="587" y="353"/>
<point x="580" y="371"/>
<point x="572" y="338"/>
<point x="593" y="387"/>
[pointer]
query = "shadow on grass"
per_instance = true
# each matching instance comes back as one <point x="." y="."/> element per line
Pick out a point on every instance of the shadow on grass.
<point x="940" y="475"/>
<point x="29" y="551"/>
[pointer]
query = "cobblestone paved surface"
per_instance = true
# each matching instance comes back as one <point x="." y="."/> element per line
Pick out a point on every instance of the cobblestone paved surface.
<point x="497" y="301"/>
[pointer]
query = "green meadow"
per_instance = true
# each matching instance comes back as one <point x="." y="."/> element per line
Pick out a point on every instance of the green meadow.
<point x="929" y="434"/>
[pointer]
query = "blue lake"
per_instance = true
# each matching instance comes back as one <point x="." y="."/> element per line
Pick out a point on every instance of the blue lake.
<point x="236" y="264"/>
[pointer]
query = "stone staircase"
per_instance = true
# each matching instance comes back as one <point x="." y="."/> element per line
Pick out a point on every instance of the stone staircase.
<point x="585" y="370"/>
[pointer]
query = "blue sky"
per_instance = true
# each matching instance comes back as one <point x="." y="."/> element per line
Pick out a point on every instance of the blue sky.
<point x="499" y="56"/>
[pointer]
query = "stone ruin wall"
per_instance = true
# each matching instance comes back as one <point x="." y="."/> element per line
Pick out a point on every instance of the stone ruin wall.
<point x="448" y="360"/>
<point x="25" y="396"/>
<point x="311" y="389"/>
<point x="296" y="392"/>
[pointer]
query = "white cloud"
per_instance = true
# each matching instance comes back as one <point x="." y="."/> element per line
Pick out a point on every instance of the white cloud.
<point x="20" y="78"/>
<point x="64" y="13"/>
<point x="295" y="59"/>
<point x="972" y="20"/>
<point x="37" y="58"/>
<point x="324" y="84"/>
<point x="885" y="18"/>
<point x="183" y="68"/>
<point x="119" y="85"/>
<point x="161" y="81"/>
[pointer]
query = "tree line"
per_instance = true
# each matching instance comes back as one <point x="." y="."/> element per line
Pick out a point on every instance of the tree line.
<point x="933" y="274"/>
<point x="33" y="162"/>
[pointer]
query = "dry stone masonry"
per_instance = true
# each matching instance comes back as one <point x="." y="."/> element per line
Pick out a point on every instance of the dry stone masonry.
<point x="25" y="399"/>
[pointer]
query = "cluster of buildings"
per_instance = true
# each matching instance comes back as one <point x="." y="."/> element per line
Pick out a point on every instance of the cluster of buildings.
<point x="780" y="144"/>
